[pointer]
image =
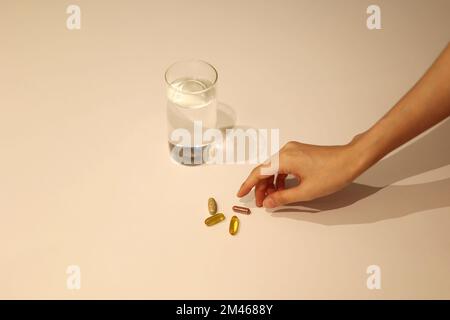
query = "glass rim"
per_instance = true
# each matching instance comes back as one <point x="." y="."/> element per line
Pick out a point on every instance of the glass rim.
<point x="213" y="83"/>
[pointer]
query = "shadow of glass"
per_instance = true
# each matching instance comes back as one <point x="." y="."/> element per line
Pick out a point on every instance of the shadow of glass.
<point x="226" y="116"/>
<point x="372" y="198"/>
<point x="226" y="119"/>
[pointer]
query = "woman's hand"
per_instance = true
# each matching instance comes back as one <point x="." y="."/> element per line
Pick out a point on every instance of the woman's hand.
<point x="320" y="170"/>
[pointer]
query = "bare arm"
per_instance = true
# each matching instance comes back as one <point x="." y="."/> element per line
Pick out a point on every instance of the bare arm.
<point x="322" y="170"/>
<point x="425" y="105"/>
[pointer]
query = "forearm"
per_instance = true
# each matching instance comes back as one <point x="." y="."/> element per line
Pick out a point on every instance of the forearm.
<point x="425" y="105"/>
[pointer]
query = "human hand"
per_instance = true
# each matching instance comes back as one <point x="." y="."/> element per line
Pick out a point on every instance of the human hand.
<point x="320" y="170"/>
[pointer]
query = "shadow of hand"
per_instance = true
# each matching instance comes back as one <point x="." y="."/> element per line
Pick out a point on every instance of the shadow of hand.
<point x="376" y="199"/>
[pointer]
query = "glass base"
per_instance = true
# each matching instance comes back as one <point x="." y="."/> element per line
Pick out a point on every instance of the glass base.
<point x="190" y="156"/>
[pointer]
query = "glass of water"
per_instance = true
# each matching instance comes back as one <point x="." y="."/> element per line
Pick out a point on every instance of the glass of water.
<point x="191" y="109"/>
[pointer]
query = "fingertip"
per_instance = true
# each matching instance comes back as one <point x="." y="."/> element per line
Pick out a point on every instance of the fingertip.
<point x="259" y="198"/>
<point x="269" y="203"/>
<point x="242" y="192"/>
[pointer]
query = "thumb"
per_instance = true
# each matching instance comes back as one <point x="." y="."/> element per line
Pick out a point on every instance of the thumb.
<point x="282" y="197"/>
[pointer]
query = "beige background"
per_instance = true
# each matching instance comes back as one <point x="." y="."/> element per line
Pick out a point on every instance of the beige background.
<point x="85" y="177"/>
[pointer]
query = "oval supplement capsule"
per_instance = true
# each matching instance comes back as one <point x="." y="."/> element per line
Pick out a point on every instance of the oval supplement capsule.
<point x="210" y="221"/>
<point x="240" y="209"/>
<point x="212" y="206"/>
<point x="234" y="225"/>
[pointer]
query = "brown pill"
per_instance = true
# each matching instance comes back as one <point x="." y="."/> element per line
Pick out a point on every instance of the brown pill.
<point x="242" y="210"/>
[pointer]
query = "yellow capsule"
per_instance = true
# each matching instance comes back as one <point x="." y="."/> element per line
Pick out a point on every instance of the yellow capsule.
<point x="212" y="206"/>
<point x="210" y="221"/>
<point x="234" y="225"/>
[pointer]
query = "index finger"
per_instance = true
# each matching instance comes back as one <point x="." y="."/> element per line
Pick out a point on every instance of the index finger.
<point x="254" y="177"/>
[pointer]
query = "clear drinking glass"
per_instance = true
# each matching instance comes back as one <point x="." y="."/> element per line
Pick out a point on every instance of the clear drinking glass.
<point x="191" y="109"/>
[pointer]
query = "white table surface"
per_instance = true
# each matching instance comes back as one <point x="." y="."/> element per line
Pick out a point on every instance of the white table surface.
<point x="85" y="177"/>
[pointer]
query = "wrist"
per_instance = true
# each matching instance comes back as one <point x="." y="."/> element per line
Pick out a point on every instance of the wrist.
<point x="363" y="152"/>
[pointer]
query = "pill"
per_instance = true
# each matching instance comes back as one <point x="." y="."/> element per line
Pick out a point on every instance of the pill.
<point x="212" y="220"/>
<point x="240" y="209"/>
<point x="212" y="206"/>
<point x="234" y="225"/>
